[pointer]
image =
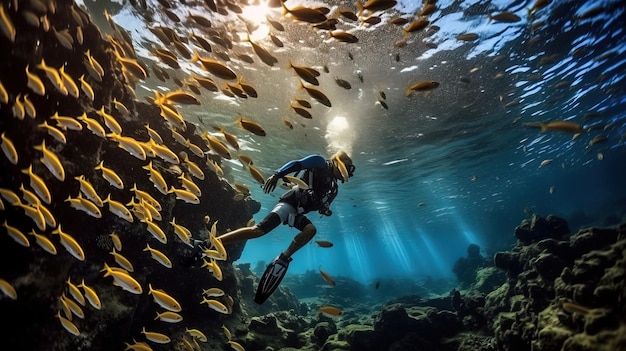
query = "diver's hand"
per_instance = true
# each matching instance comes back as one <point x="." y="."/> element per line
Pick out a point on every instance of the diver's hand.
<point x="270" y="183"/>
<point x="326" y="212"/>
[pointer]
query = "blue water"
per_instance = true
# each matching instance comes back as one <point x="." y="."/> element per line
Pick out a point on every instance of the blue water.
<point x="441" y="170"/>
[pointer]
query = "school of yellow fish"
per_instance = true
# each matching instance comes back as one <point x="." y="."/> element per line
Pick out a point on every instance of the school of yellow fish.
<point x="210" y="48"/>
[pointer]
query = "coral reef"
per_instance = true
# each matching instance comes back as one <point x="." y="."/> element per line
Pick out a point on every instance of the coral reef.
<point x="554" y="292"/>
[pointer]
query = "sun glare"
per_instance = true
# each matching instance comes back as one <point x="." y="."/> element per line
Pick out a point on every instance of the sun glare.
<point x="257" y="15"/>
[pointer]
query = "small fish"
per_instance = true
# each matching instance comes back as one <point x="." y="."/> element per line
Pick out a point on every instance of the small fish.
<point x="132" y="66"/>
<point x="51" y="161"/>
<point x="18" y="108"/>
<point x="304" y="14"/>
<point x="86" y="88"/>
<point x="90" y="295"/>
<point x="128" y="144"/>
<point x="598" y="139"/>
<point x="561" y="126"/>
<point x="324" y="243"/>
<point x="297" y="181"/>
<point x="213" y="292"/>
<point x="75" y="292"/>
<point x="215" y="305"/>
<point x="505" y="16"/>
<point x="251" y="126"/>
<point x="247" y="88"/>
<point x="156" y="178"/>
<point x="8" y="289"/>
<point x="123" y="279"/>
<point x="9" y="149"/>
<point x="345" y="37"/>
<point x="276" y="41"/>
<point x="327" y="277"/>
<point x="29" y="107"/>
<point x="117" y="243"/>
<point x="189" y="185"/>
<point x="118" y="209"/>
<point x="159" y="256"/>
<point x="551" y="190"/>
<point x="66" y="122"/>
<point x="256" y="174"/>
<point x="375" y="5"/>
<point x="193" y="168"/>
<point x="38" y="185"/>
<point x="68" y="82"/>
<point x="169" y="317"/>
<point x="70" y="244"/>
<point x="196" y="334"/>
<point x="383" y="104"/>
<point x="343" y="83"/>
<point x="109" y="121"/>
<point x="317" y="95"/>
<point x="44" y="242"/>
<point x="164" y="300"/>
<point x="183" y="233"/>
<point x="155" y="337"/>
<point x="93" y="125"/>
<point x="217" y="146"/>
<point x="154" y="135"/>
<point x="34" y="83"/>
<point x="545" y="162"/>
<point x="426" y="85"/>
<point x="4" y="95"/>
<point x="35" y="214"/>
<point x="416" y="25"/>
<point x="330" y="311"/>
<point x="53" y="76"/>
<point x="87" y="188"/>
<point x="6" y="25"/>
<point x="156" y="231"/>
<point x="538" y="5"/>
<point x="110" y="176"/>
<point x="306" y="73"/>
<point x="67" y="324"/>
<point x="302" y="112"/>
<point x="140" y="194"/>
<point x="233" y="344"/>
<point x="467" y="37"/>
<point x="262" y="53"/>
<point x="182" y="194"/>
<point x="288" y="123"/>
<point x="16" y="234"/>
<point x="215" y="67"/>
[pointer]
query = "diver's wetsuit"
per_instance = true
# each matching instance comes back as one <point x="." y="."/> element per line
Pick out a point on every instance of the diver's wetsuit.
<point x="318" y="174"/>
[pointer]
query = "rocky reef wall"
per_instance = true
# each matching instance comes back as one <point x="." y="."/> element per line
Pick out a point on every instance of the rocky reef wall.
<point x="40" y="272"/>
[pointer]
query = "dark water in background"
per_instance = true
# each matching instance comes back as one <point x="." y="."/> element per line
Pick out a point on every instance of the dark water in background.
<point x="435" y="171"/>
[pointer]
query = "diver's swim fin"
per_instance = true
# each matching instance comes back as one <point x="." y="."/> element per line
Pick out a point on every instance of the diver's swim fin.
<point x="271" y="278"/>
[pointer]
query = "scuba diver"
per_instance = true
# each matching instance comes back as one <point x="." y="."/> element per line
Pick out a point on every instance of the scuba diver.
<point x="321" y="176"/>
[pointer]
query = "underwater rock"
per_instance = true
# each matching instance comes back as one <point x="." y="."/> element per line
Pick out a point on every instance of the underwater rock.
<point x="322" y="331"/>
<point x="487" y="279"/>
<point x="563" y="291"/>
<point x="465" y="267"/>
<point x="539" y="228"/>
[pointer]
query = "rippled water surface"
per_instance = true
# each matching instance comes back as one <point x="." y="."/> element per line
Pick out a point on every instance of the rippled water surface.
<point x="436" y="170"/>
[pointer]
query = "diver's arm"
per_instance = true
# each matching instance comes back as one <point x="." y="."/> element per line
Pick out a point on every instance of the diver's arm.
<point x="311" y="161"/>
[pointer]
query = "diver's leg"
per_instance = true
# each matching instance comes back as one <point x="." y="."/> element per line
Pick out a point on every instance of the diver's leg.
<point x="271" y="221"/>
<point x="241" y="234"/>
<point x="301" y="239"/>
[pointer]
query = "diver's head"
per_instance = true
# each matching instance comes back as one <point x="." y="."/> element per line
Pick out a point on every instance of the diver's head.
<point x="344" y="168"/>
